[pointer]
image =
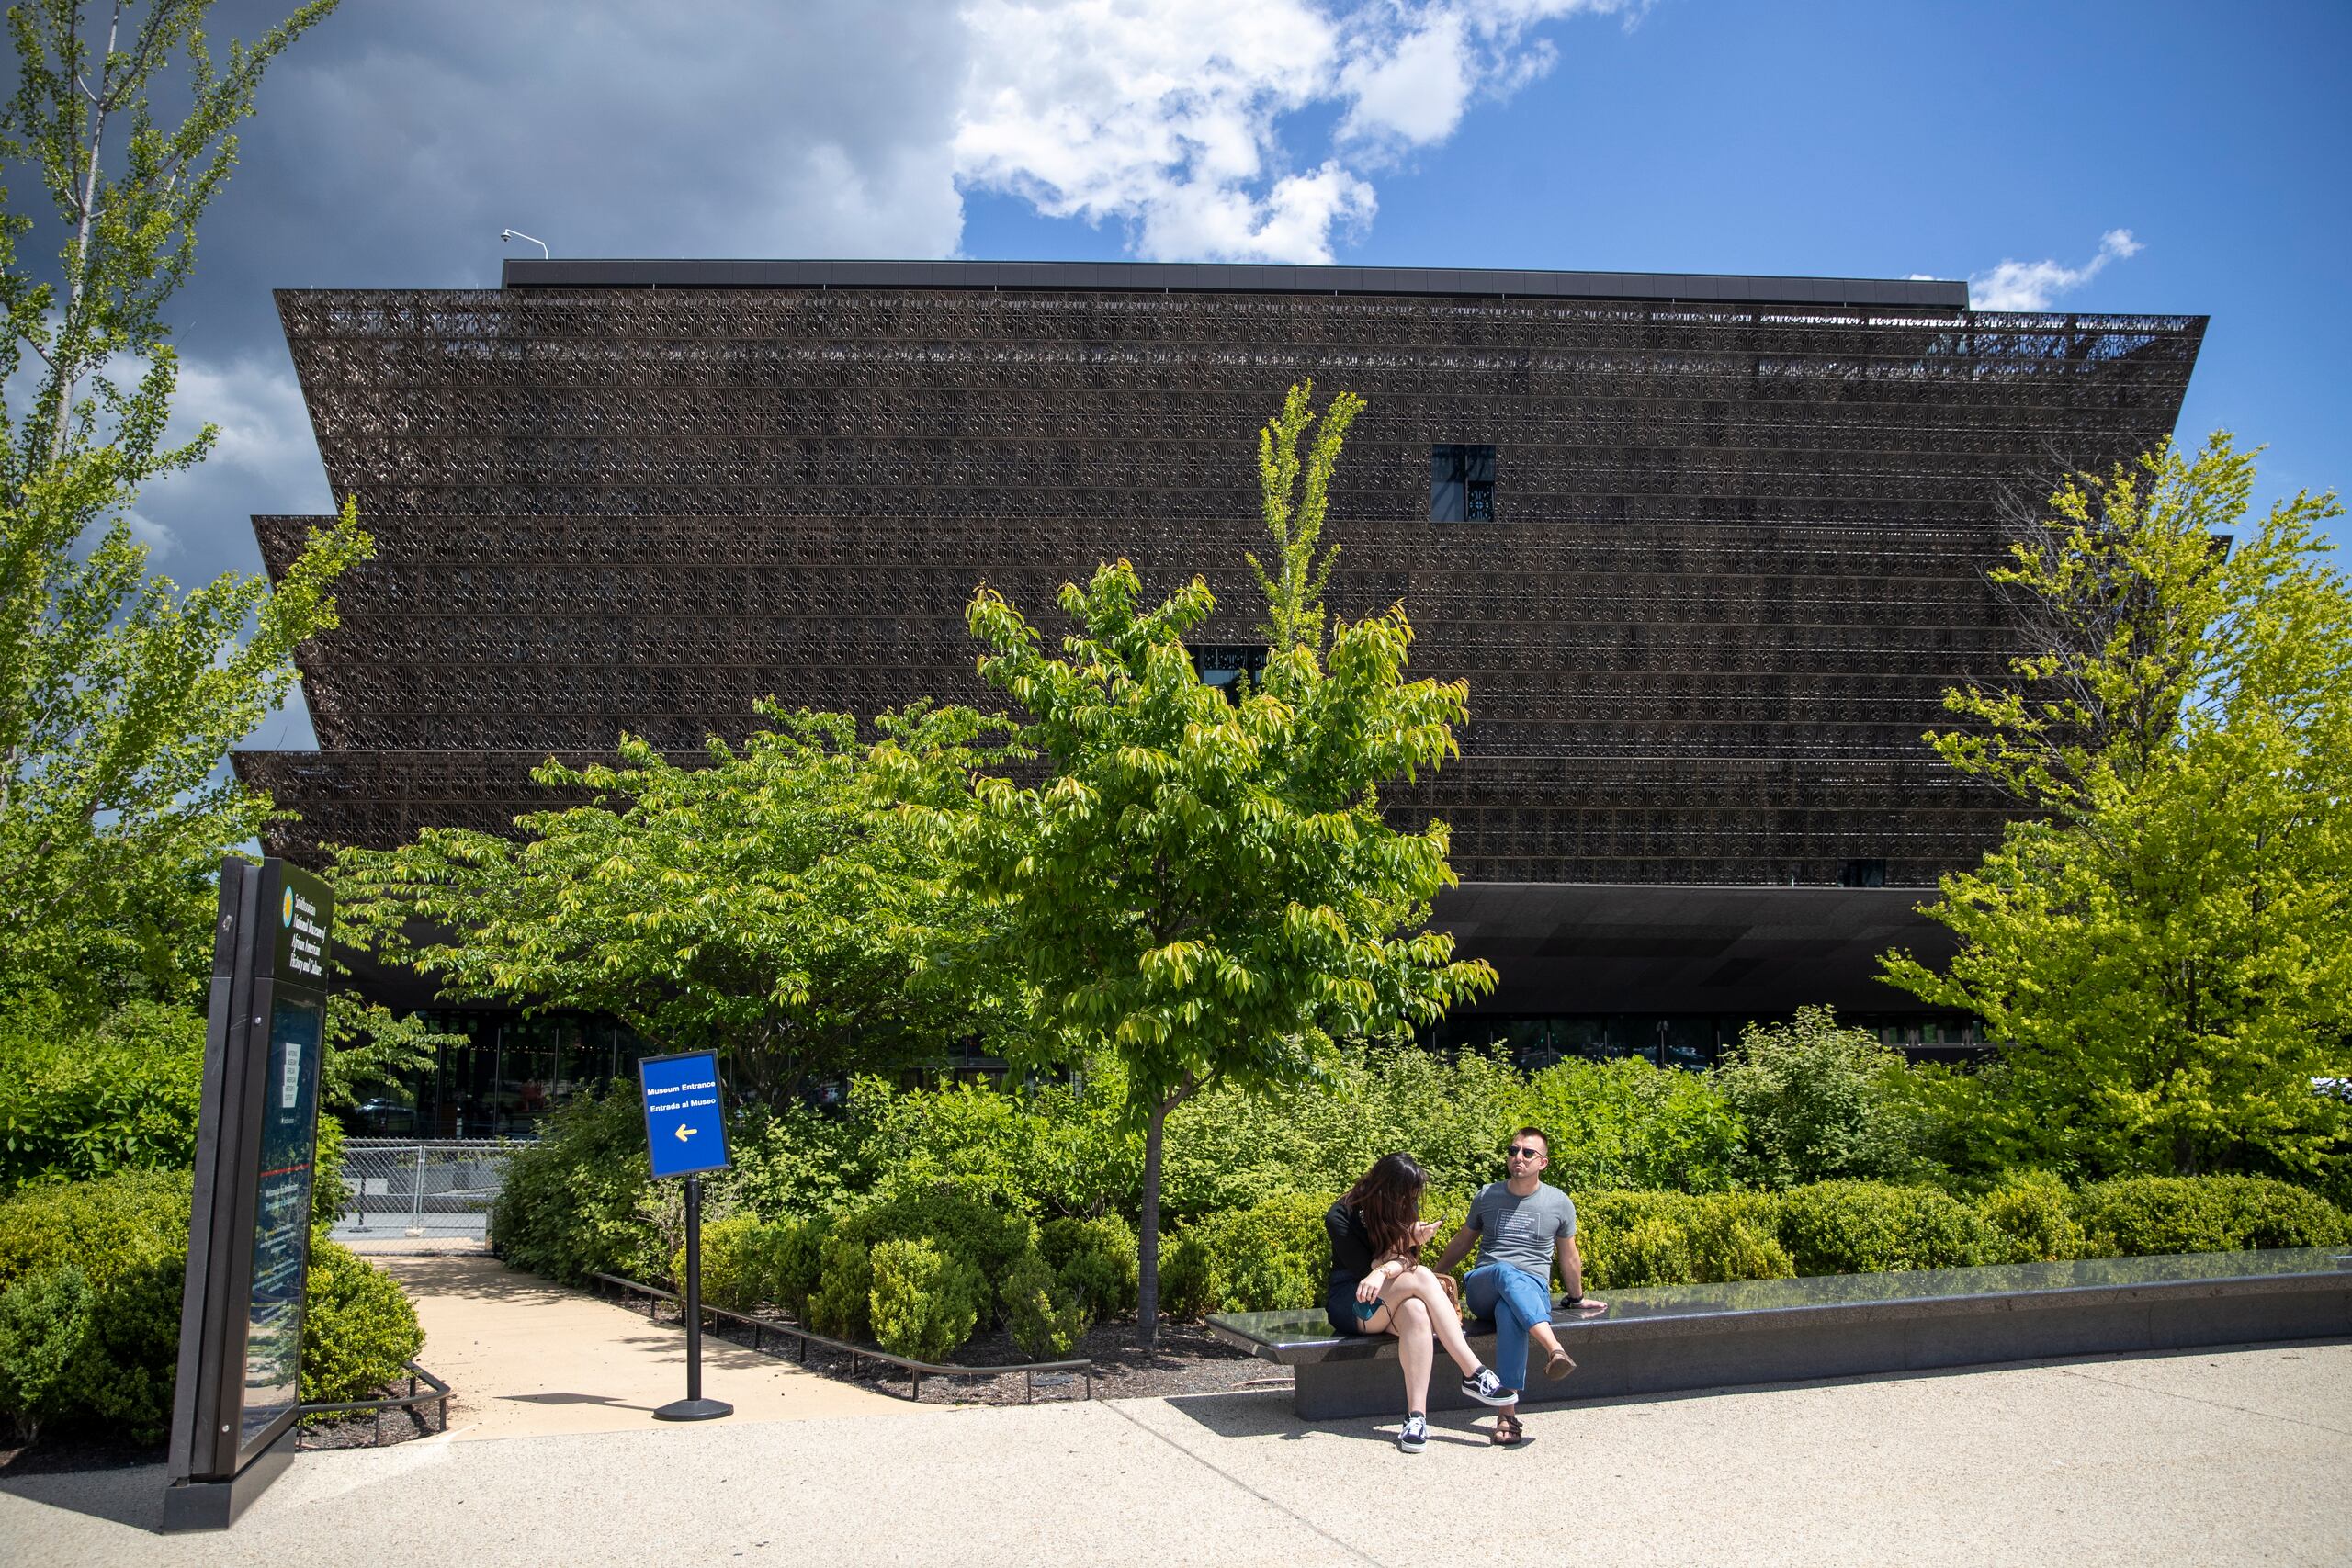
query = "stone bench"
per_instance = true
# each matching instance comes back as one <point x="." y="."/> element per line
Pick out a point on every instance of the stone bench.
<point x="1686" y="1337"/>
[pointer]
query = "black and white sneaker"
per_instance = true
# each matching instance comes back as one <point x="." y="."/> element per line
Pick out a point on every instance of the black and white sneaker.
<point x="1487" y="1389"/>
<point x="1416" y="1435"/>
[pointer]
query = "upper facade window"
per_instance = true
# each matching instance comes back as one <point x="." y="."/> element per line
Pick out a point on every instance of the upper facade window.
<point x="1462" y="484"/>
<point x="1231" y="667"/>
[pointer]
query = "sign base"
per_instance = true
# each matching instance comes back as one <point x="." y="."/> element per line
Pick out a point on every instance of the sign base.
<point x="215" y="1504"/>
<point x="694" y="1410"/>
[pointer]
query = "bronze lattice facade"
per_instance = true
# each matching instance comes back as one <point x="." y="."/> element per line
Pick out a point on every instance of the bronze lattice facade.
<point x="1734" y="551"/>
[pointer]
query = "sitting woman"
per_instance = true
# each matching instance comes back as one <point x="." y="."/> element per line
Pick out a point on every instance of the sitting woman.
<point x="1378" y="1286"/>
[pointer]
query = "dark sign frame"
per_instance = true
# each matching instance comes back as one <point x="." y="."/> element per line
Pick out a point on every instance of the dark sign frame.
<point x="249" y="1226"/>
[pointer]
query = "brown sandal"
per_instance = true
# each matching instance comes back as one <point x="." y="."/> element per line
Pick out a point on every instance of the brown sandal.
<point x="1559" y="1366"/>
<point x="1508" y="1433"/>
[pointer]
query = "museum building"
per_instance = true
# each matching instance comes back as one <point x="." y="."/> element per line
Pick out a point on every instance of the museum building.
<point x="1707" y="550"/>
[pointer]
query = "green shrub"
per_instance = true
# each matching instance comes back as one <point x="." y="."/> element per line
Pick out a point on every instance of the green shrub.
<point x="1046" y="1316"/>
<point x="795" y="1263"/>
<point x="570" y="1204"/>
<point x="924" y="1301"/>
<point x="1818" y="1102"/>
<point x="2149" y="1214"/>
<point x="1273" y="1254"/>
<point x="1629" y="1124"/>
<point x="357" y="1327"/>
<point x="1096" y="1260"/>
<point x="82" y="1103"/>
<point x="327" y="1194"/>
<point x="736" y="1271"/>
<point x="799" y="1163"/>
<point x="2027" y="1212"/>
<point x="45" y="1321"/>
<point x="959" y="1220"/>
<point x="1673" y="1238"/>
<point x="105" y="1229"/>
<point x="842" y="1303"/>
<point x="126" y="1237"/>
<point x="1863" y="1228"/>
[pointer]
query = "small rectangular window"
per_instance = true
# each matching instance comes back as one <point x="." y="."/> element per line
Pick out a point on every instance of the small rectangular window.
<point x="1462" y="484"/>
<point x="1863" y="874"/>
<point x="1232" y="668"/>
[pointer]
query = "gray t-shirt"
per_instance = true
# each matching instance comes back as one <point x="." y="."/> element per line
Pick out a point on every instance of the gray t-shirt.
<point x="1523" y="1232"/>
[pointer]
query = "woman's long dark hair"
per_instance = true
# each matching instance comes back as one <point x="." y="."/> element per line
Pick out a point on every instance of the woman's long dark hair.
<point x="1388" y="1196"/>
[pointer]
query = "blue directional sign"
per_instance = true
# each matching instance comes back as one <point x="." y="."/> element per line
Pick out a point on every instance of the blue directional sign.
<point x="682" y="1123"/>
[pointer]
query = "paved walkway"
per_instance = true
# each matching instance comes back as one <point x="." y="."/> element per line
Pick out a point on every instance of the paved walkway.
<point x="528" y="1358"/>
<point x="2218" y="1457"/>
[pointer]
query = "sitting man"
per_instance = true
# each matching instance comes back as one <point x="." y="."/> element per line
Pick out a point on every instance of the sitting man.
<point x="1518" y="1223"/>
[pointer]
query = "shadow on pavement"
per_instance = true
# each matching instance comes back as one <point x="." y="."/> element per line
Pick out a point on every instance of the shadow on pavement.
<point x="1266" y="1412"/>
<point x="131" y="1496"/>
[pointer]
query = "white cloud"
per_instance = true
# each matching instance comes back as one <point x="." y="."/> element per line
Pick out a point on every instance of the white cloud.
<point x="2032" y="285"/>
<point x="1166" y="115"/>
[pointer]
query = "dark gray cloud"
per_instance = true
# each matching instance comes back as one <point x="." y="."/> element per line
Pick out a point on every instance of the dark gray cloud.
<point x="395" y="141"/>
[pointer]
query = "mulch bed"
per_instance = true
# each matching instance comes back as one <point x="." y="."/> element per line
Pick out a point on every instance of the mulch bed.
<point x="1188" y="1360"/>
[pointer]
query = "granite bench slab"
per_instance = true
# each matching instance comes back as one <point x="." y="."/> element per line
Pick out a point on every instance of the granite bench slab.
<point x="1684" y="1337"/>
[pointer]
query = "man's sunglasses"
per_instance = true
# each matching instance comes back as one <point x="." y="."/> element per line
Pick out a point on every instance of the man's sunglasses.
<point x="1520" y="1151"/>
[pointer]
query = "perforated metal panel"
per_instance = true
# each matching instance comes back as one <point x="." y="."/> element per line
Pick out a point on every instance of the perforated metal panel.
<point x="1737" y="552"/>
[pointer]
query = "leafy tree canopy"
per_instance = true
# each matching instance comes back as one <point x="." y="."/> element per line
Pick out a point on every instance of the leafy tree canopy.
<point x="2165" y="947"/>
<point x="766" y="903"/>
<point x="119" y="692"/>
<point x="1207" y="887"/>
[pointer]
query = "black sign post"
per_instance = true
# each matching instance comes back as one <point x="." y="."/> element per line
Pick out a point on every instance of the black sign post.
<point x="238" y="1395"/>
<point x="686" y="1133"/>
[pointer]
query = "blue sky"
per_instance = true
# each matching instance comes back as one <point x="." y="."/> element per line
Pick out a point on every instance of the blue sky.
<point x="2144" y="157"/>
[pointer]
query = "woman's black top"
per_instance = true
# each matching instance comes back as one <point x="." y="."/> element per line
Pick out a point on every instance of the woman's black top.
<point x="1350" y="1261"/>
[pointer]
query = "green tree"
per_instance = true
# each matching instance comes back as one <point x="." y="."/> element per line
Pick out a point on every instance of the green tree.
<point x="2165" y="948"/>
<point x="1819" y="1101"/>
<point x="766" y="904"/>
<point x="119" y="693"/>
<point x="1207" y="888"/>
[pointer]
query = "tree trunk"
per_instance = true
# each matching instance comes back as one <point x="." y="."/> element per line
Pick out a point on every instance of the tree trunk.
<point x="1147" y="1284"/>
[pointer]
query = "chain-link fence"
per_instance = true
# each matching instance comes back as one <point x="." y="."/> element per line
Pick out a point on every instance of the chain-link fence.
<point x="405" y="1189"/>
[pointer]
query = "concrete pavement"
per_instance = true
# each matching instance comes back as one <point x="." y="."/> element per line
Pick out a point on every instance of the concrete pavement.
<point x="2216" y="1456"/>
<point x="528" y="1358"/>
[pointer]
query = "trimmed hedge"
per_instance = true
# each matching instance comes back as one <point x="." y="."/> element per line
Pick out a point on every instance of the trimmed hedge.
<point x="2149" y="1214"/>
<point x="1661" y="1239"/>
<point x="1863" y="1228"/>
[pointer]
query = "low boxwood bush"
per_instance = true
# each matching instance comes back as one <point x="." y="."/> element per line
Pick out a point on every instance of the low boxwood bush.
<point x="736" y="1269"/>
<point x="1047" y="1319"/>
<point x="1274" y="1254"/>
<point x="2148" y="1214"/>
<point x="1096" y="1260"/>
<point x="1672" y="1239"/>
<point x="1865" y="1227"/>
<point x="925" y="1301"/>
<point x="948" y="1216"/>
<point x="357" y="1327"/>
<point x="2030" y="1213"/>
<point x="795" y="1263"/>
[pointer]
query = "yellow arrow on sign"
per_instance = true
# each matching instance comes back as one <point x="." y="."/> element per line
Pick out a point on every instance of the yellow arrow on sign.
<point x="684" y="1133"/>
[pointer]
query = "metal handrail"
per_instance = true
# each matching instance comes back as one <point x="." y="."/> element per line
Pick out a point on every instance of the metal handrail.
<point x="916" y="1371"/>
<point x="438" y="1394"/>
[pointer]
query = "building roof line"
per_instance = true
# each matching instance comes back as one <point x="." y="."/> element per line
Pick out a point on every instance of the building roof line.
<point x="1235" y="278"/>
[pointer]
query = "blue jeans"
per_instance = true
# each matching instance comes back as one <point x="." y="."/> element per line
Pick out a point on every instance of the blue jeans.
<point x="1517" y="1301"/>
